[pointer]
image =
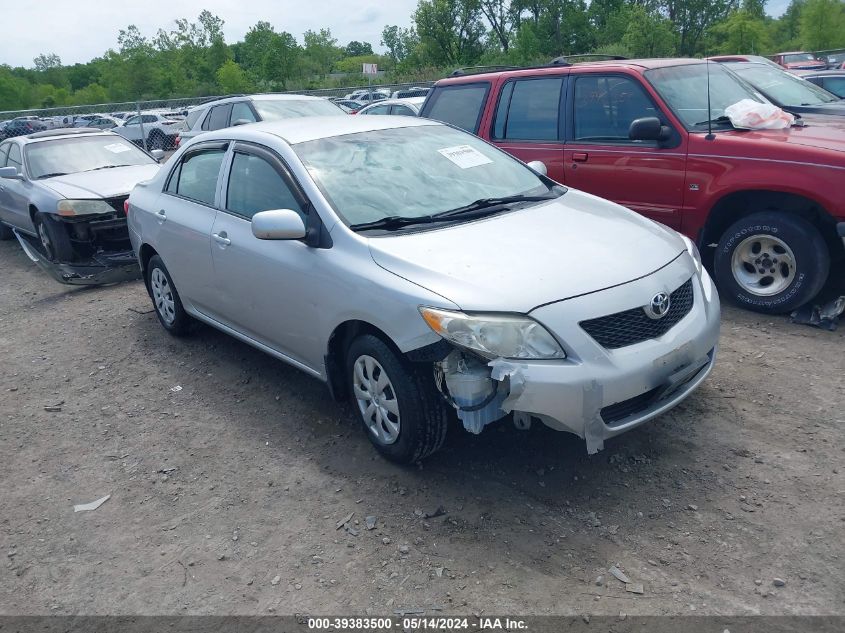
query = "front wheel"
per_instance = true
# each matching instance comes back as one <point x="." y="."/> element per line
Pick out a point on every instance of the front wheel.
<point x="54" y="238"/>
<point x="168" y="306"/>
<point x="398" y="405"/>
<point x="771" y="262"/>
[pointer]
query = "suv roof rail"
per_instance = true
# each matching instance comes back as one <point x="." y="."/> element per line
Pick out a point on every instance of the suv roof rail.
<point x="65" y="131"/>
<point x="477" y="70"/>
<point x="568" y="60"/>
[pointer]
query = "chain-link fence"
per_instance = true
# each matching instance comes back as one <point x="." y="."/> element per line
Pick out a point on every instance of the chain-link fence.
<point x="156" y="124"/>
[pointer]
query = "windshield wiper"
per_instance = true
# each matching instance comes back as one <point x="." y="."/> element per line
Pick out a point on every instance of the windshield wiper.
<point x="718" y="119"/>
<point x="485" y="204"/>
<point x="392" y="222"/>
<point x="50" y="175"/>
<point x="107" y="167"/>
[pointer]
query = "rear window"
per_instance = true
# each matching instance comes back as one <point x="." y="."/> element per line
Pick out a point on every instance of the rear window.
<point x="461" y="105"/>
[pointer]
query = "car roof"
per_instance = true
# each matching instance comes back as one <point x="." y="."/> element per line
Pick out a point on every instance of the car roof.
<point x="553" y="69"/>
<point x="270" y="96"/>
<point x="400" y="100"/>
<point x="303" y="129"/>
<point x="65" y="133"/>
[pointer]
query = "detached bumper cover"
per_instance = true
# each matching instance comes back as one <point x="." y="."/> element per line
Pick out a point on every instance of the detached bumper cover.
<point x="101" y="269"/>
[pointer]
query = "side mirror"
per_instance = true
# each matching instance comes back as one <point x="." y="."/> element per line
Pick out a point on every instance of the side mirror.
<point x="242" y="122"/>
<point x="538" y="166"/>
<point x="280" y="224"/>
<point x="649" y="129"/>
<point x="10" y="173"/>
<point x="158" y="154"/>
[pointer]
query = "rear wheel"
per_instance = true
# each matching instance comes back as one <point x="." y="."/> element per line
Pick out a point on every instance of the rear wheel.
<point x="168" y="306"/>
<point x="399" y="407"/>
<point x="771" y="262"/>
<point x="55" y="241"/>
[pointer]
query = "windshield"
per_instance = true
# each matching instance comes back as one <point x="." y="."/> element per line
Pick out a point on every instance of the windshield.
<point x="291" y="109"/>
<point x="684" y="88"/>
<point x="783" y="87"/>
<point x="81" y="153"/>
<point x="799" y="57"/>
<point x="411" y="172"/>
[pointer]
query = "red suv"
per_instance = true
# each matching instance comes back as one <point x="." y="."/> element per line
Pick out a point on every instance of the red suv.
<point x="799" y="60"/>
<point x="769" y="204"/>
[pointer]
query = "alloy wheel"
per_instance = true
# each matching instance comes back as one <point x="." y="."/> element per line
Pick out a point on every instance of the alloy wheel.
<point x="764" y="265"/>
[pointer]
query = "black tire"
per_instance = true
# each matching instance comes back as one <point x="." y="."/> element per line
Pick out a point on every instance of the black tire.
<point x="423" y="417"/>
<point x="5" y="233"/>
<point x="166" y="302"/>
<point x="54" y="238"/>
<point x="155" y="141"/>
<point x="809" y="273"/>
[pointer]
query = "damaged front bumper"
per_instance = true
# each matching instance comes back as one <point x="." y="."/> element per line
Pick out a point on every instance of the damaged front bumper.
<point x="99" y="269"/>
<point x="598" y="393"/>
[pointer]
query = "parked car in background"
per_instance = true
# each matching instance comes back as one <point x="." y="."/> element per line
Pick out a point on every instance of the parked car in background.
<point x="407" y="93"/>
<point x="638" y="133"/>
<point x="232" y="111"/>
<point x="799" y="60"/>
<point x="831" y="80"/>
<point x="159" y="131"/>
<point x="22" y="127"/>
<point x="100" y="122"/>
<point x="402" y="107"/>
<point x="744" y="58"/>
<point x="284" y="218"/>
<point x="789" y="91"/>
<point x="377" y="93"/>
<point x="63" y="191"/>
<point x="834" y="61"/>
<point x="347" y="105"/>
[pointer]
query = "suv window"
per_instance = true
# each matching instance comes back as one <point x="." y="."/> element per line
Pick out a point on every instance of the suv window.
<point x="4" y="150"/>
<point x="255" y="185"/>
<point x="242" y="112"/>
<point x="14" y="159"/>
<point x="460" y="105"/>
<point x="192" y="118"/>
<point x="218" y="117"/>
<point x="605" y="106"/>
<point x="379" y="109"/>
<point x="133" y="120"/>
<point x="196" y="175"/>
<point x="529" y="109"/>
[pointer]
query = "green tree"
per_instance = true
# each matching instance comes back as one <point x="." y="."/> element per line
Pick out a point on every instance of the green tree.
<point x="357" y="49"/>
<point x="649" y="34"/>
<point x="450" y="31"/>
<point x="269" y="56"/>
<point x="321" y="50"/>
<point x="46" y="61"/>
<point x="822" y="24"/>
<point x="400" y="43"/>
<point x="692" y="19"/>
<point x="741" y="32"/>
<point x="232" y="79"/>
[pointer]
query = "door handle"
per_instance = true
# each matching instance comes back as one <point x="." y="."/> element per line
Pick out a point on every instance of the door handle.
<point x="221" y="238"/>
<point x="161" y="215"/>
<point x="580" y="157"/>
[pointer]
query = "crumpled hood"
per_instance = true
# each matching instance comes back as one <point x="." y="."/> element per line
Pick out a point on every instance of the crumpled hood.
<point x="516" y="261"/>
<point x="104" y="183"/>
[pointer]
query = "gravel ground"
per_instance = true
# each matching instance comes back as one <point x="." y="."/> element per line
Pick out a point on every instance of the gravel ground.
<point x="228" y="472"/>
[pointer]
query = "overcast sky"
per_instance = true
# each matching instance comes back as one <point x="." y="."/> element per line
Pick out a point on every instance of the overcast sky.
<point x="79" y="30"/>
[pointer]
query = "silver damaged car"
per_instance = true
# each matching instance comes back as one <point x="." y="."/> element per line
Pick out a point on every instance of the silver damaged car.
<point x="425" y="275"/>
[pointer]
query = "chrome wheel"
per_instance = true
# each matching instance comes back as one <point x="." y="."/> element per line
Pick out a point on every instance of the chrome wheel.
<point x="376" y="399"/>
<point x="763" y="265"/>
<point x="163" y="296"/>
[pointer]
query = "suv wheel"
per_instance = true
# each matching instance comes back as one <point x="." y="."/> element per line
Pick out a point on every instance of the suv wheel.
<point x="168" y="305"/>
<point x="399" y="406"/>
<point x="771" y="262"/>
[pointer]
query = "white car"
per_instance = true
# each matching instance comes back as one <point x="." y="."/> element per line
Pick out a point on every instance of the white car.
<point x="402" y="107"/>
<point x="158" y="130"/>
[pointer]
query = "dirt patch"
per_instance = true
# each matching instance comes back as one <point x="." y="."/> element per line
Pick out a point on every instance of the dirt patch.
<point x="226" y="491"/>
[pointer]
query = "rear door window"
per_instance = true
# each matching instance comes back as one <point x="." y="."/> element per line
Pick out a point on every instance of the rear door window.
<point x="460" y="104"/>
<point x="192" y="118"/>
<point x="529" y="109"/>
<point x="605" y="106"/>
<point x="218" y="118"/>
<point x="196" y="176"/>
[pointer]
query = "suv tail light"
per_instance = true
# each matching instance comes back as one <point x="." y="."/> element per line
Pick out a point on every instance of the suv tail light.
<point x="176" y="141"/>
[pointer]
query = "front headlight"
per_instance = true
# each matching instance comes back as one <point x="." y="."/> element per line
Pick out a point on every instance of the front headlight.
<point x="494" y="335"/>
<point x="83" y="207"/>
<point x="692" y="249"/>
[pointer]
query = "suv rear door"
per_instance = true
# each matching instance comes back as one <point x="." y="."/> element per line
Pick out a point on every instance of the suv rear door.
<point x="646" y="176"/>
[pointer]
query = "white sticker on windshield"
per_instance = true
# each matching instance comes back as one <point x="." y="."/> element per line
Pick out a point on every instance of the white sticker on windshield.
<point x="117" y="148"/>
<point x="464" y="156"/>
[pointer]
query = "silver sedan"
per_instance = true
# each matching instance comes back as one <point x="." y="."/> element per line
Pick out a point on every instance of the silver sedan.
<point x="425" y="275"/>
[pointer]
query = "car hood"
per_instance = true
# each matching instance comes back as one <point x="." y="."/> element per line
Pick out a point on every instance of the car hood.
<point x="104" y="183"/>
<point x="827" y="109"/>
<point x="516" y="261"/>
<point x="827" y="132"/>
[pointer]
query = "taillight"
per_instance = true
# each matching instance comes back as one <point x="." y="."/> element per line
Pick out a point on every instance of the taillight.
<point x="126" y="206"/>
<point x="176" y="141"/>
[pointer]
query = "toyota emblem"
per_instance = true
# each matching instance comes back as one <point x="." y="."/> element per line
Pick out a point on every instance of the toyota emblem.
<point x="658" y="307"/>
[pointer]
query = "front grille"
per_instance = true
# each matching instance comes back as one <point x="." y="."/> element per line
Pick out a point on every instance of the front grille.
<point x="634" y="326"/>
<point x="621" y="410"/>
<point x="117" y="203"/>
